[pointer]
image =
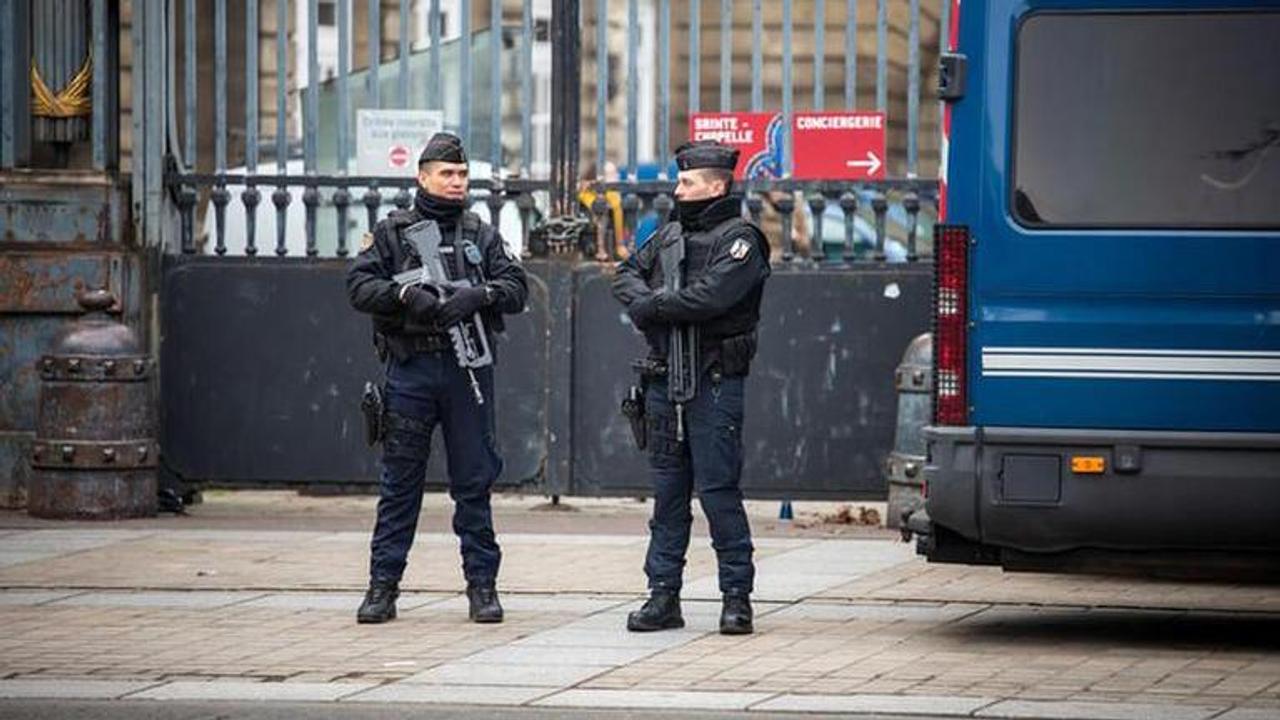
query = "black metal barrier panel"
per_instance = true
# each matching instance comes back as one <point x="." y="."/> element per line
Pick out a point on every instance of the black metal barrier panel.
<point x="821" y="404"/>
<point x="263" y="363"/>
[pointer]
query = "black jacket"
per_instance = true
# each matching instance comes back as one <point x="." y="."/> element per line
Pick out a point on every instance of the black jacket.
<point x="726" y="265"/>
<point x="370" y="287"/>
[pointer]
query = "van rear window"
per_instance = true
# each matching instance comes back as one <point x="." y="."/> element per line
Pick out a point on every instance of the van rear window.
<point x="1147" y="120"/>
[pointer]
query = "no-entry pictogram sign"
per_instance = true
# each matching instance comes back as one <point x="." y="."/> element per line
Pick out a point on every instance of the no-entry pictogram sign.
<point x="838" y="145"/>
<point x="388" y="141"/>
<point x="398" y="156"/>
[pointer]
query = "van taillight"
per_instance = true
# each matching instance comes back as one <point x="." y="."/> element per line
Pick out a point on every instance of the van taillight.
<point x="950" y="324"/>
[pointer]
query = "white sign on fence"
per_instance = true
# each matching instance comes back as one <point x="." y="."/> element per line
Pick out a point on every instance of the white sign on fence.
<point x="388" y="142"/>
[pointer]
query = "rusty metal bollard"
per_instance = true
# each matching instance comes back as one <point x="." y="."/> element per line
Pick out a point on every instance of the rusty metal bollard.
<point x="904" y="467"/>
<point x="95" y="450"/>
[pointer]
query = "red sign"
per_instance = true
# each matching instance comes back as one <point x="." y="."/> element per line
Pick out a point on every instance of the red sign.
<point x="754" y="134"/>
<point x="398" y="156"/>
<point x="838" y="145"/>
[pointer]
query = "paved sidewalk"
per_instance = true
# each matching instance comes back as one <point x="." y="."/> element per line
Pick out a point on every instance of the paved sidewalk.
<point x="844" y="626"/>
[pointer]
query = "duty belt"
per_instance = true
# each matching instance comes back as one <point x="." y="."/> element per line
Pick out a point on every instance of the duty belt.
<point x="427" y="343"/>
<point x="650" y="368"/>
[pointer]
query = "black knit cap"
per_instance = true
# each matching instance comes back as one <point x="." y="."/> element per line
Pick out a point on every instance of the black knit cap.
<point x="706" y="154"/>
<point x="443" y="147"/>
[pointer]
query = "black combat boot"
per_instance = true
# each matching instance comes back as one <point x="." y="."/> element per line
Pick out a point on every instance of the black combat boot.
<point x="379" y="603"/>
<point x="735" y="615"/>
<point x="483" y="600"/>
<point x="660" y="612"/>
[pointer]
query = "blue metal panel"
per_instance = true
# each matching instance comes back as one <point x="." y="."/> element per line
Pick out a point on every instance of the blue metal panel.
<point x="101" y="67"/>
<point x="695" y="55"/>
<point x="464" y="72"/>
<point x="757" y="60"/>
<point x="726" y="55"/>
<point x="80" y="215"/>
<point x="851" y="53"/>
<point x="526" y="88"/>
<point x="633" y="84"/>
<point x="8" y="62"/>
<point x="495" y="86"/>
<point x="1173" y="296"/>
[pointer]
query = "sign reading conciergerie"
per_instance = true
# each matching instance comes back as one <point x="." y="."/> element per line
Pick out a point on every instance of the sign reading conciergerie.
<point x="388" y="141"/>
<point x="839" y="145"/>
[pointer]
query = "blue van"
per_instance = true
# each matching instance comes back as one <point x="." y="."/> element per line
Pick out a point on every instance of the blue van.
<point x="1107" y="303"/>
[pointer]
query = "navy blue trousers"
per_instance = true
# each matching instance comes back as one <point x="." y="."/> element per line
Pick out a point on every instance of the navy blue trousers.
<point x="709" y="464"/>
<point x="427" y="390"/>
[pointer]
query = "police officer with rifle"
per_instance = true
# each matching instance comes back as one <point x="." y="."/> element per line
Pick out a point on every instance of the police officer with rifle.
<point x="436" y="281"/>
<point x="694" y="290"/>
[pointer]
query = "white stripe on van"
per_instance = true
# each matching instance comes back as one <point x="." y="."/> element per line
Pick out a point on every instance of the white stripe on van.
<point x="1128" y="363"/>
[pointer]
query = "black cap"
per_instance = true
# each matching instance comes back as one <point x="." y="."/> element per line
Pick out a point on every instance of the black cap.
<point x="706" y="154"/>
<point x="443" y="147"/>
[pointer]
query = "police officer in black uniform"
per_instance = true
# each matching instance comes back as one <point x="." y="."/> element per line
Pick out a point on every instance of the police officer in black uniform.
<point x="725" y="267"/>
<point x="425" y="386"/>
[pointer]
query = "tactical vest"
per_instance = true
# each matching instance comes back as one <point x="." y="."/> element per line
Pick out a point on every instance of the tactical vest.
<point x="475" y="234"/>
<point x="730" y="338"/>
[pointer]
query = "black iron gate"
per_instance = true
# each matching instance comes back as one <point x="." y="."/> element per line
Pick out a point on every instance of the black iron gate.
<point x="263" y="361"/>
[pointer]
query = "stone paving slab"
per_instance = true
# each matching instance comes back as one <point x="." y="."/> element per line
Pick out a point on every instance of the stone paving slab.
<point x="230" y="690"/>
<point x="1249" y="714"/>
<point x="449" y="695"/>
<point x="653" y="700"/>
<point x="694" y="610"/>
<point x="804" y="571"/>
<point x="25" y="547"/>
<point x="543" y="656"/>
<point x="1035" y="710"/>
<point x="262" y="607"/>
<point x="923" y="582"/>
<point x="319" y="561"/>
<point x="882" y="704"/>
<point x="182" y="599"/>
<point x="33" y="597"/>
<point x="342" y="602"/>
<point x="615" y="634"/>
<point x="70" y="689"/>
<point x="570" y="604"/>
<point x="9" y="558"/>
<point x="521" y="675"/>
<point x="878" y="612"/>
<point x="64" y="540"/>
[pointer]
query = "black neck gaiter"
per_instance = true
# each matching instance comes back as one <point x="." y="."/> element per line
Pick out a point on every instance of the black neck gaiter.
<point x="433" y="207"/>
<point x="689" y="212"/>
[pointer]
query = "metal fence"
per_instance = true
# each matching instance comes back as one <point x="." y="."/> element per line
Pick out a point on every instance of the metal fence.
<point x="244" y="202"/>
<point x="846" y="222"/>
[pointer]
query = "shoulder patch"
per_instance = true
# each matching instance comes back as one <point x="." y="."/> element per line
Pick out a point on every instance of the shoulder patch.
<point x="366" y="241"/>
<point x="740" y="249"/>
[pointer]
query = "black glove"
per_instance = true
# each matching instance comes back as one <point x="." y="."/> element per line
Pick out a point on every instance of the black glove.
<point x="644" y="312"/>
<point x="462" y="304"/>
<point x="421" y="305"/>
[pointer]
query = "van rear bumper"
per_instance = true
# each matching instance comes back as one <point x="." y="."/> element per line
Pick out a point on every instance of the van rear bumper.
<point x="1014" y="488"/>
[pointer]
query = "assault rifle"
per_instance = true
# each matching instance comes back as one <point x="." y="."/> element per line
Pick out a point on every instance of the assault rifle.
<point x="682" y="352"/>
<point x="469" y="337"/>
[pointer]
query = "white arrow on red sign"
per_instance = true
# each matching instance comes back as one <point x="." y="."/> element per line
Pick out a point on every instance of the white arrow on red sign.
<point x="872" y="163"/>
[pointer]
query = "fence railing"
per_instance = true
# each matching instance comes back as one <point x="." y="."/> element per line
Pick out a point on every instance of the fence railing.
<point x="306" y="203"/>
